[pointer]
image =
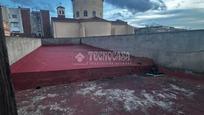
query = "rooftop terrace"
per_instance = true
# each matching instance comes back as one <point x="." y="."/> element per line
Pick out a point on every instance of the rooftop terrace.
<point x="52" y="65"/>
<point x="50" y="80"/>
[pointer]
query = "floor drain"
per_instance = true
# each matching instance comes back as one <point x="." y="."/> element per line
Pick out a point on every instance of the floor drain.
<point x="139" y="63"/>
<point x="38" y="87"/>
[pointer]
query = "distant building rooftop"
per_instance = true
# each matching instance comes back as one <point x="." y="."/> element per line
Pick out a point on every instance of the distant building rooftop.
<point x="157" y="29"/>
<point x="94" y="19"/>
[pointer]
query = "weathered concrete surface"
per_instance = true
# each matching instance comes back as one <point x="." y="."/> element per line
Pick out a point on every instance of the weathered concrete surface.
<point x="179" y="50"/>
<point x="60" y="41"/>
<point x="20" y="47"/>
<point x="128" y="95"/>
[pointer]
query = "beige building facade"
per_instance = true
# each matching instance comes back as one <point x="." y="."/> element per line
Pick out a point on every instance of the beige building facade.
<point x="5" y="21"/>
<point x="88" y="21"/>
<point x="84" y="9"/>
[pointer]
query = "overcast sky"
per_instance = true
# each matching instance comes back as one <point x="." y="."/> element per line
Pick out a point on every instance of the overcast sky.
<point x="177" y="13"/>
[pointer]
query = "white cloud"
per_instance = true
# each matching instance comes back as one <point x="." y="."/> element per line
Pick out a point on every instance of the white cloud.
<point x="184" y="4"/>
<point x="179" y="13"/>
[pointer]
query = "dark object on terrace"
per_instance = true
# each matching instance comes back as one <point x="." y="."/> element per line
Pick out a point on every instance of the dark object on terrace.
<point x="155" y="72"/>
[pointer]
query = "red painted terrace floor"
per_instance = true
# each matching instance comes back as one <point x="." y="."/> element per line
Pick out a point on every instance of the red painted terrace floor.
<point x="127" y="95"/>
<point x="52" y="65"/>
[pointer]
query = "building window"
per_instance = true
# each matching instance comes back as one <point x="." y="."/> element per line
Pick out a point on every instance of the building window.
<point x="94" y="13"/>
<point x="16" y="31"/>
<point x="62" y="12"/>
<point x="77" y="14"/>
<point x="14" y="16"/>
<point x="85" y="13"/>
<point x="14" y="24"/>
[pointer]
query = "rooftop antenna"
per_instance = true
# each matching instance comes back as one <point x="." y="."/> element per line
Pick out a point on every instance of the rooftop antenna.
<point x="36" y="8"/>
<point x="32" y="9"/>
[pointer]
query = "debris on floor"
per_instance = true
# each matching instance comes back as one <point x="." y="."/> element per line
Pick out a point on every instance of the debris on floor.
<point x="128" y="95"/>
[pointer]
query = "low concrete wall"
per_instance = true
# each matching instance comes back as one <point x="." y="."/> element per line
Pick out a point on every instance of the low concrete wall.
<point x="20" y="47"/>
<point x="60" y="41"/>
<point x="178" y="50"/>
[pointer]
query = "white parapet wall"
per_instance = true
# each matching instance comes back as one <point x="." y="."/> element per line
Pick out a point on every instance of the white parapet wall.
<point x="60" y="41"/>
<point x="19" y="47"/>
<point x="176" y="50"/>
